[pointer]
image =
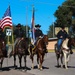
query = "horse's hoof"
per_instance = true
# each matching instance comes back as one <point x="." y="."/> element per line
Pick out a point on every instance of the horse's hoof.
<point x="40" y="69"/>
<point x="58" y="66"/>
<point x="32" y="67"/>
<point x="66" y="68"/>
<point x="24" y="70"/>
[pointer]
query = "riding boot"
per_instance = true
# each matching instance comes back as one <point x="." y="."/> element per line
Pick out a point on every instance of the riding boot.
<point x="46" y="51"/>
<point x="71" y="52"/>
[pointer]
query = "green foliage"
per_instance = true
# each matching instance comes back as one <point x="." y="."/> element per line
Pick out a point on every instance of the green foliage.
<point x="65" y="15"/>
<point x="50" y="32"/>
<point x="10" y="39"/>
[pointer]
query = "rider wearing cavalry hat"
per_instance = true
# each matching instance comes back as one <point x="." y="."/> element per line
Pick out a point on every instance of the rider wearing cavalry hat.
<point x="39" y="34"/>
<point x="19" y="33"/>
<point x="61" y="35"/>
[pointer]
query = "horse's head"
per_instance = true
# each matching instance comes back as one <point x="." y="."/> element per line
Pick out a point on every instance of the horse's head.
<point x="45" y="39"/>
<point x="24" y="42"/>
<point x="72" y="41"/>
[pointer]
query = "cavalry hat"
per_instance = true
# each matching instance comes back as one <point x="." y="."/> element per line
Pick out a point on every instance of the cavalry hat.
<point x="62" y="27"/>
<point x="37" y="25"/>
<point x="19" y="25"/>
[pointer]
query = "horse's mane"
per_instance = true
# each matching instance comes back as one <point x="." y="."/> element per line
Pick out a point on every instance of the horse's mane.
<point x="22" y="46"/>
<point x="42" y="42"/>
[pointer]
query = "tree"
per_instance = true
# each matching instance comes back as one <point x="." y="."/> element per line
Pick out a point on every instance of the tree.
<point x="14" y="27"/>
<point x="65" y="15"/>
<point x="50" y="32"/>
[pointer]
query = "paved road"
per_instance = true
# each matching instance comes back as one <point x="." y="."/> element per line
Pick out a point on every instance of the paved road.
<point x="49" y="67"/>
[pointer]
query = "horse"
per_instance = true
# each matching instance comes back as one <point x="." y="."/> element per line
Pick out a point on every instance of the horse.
<point x="39" y="50"/>
<point x="20" y="49"/>
<point x="3" y="52"/>
<point x="66" y="50"/>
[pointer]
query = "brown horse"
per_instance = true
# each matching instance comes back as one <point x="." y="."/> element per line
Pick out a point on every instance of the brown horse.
<point x="21" y="49"/>
<point x="39" y="50"/>
<point x="69" y="44"/>
<point x="3" y="51"/>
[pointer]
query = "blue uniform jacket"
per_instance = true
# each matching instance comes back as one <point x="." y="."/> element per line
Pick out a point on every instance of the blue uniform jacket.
<point x="62" y="33"/>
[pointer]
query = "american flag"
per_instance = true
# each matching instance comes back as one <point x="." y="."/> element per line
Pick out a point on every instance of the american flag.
<point x="6" y="19"/>
<point x="33" y="27"/>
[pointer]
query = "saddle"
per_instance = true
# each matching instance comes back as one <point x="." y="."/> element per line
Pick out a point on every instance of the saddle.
<point x="35" y="45"/>
<point x="24" y="46"/>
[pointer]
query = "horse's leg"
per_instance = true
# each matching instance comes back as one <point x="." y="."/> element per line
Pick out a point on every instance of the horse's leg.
<point x="38" y="61"/>
<point x="32" y="56"/>
<point x="61" y="58"/>
<point x="41" y="61"/>
<point x="57" y="56"/>
<point x="65" y="60"/>
<point x="32" y="59"/>
<point x="20" y="58"/>
<point x="14" y="60"/>
<point x="25" y="61"/>
<point x="1" y="62"/>
<point x="68" y="58"/>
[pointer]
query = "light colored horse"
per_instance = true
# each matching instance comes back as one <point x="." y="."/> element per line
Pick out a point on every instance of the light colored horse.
<point x="66" y="52"/>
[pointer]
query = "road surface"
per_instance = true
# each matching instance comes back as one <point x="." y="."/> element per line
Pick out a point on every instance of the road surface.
<point x="49" y="66"/>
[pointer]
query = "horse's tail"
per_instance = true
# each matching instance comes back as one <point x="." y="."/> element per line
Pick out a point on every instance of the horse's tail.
<point x="55" y="47"/>
<point x="31" y="50"/>
<point x="10" y="51"/>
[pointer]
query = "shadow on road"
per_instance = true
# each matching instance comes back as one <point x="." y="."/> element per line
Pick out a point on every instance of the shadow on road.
<point x="12" y="67"/>
<point x="64" y="66"/>
<point x="35" y="67"/>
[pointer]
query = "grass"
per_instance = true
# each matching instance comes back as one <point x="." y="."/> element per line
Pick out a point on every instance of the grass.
<point x="51" y="50"/>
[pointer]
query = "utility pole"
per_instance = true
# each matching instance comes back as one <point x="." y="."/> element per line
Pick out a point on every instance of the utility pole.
<point x="53" y="27"/>
<point x="26" y="21"/>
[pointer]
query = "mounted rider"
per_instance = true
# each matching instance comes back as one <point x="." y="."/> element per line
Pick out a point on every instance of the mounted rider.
<point x="61" y="35"/>
<point x="19" y="33"/>
<point x="39" y="34"/>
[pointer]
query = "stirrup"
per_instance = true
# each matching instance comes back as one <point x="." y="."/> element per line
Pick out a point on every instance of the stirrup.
<point x="33" y="47"/>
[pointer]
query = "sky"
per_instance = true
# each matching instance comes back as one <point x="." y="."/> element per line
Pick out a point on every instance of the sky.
<point x="21" y="11"/>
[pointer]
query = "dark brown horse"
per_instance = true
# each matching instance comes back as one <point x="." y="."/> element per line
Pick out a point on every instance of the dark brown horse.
<point x="21" y="49"/>
<point x="39" y="50"/>
<point x="71" y="42"/>
<point x="3" y="51"/>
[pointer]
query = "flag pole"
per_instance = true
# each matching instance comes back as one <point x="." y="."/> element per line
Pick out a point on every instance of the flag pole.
<point x="32" y="29"/>
<point x="8" y="40"/>
<point x="26" y="21"/>
<point x="12" y="40"/>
